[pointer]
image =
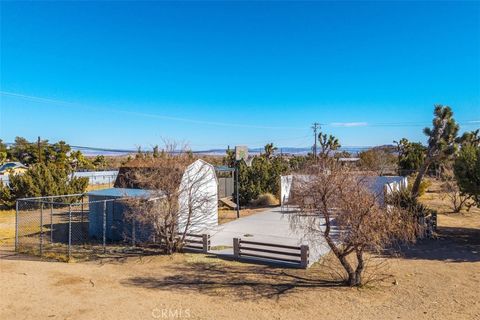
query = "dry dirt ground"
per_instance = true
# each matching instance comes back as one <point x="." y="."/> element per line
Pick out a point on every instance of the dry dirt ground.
<point x="434" y="279"/>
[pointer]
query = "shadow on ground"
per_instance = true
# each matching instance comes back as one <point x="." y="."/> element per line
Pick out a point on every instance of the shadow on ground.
<point x="452" y="244"/>
<point x="240" y="281"/>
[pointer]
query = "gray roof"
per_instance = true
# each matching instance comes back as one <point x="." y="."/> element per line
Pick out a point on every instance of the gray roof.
<point x="120" y="192"/>
<point x="12" y="165"/>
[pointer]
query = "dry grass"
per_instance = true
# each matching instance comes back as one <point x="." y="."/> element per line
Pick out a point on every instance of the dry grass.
<point x="7" y="227"/>
<point x="434" y="199"/>
<point x="266" y="200"/>
<point x="92" y="187"/>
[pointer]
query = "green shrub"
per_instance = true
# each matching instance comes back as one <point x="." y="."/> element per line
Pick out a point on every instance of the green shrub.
<point x="467" y="171"/>
<point x="405" y="200"/>
<point x="41" y="180"/>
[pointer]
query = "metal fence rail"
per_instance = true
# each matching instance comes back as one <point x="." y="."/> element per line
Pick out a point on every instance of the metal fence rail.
<point x="295" y="255"/>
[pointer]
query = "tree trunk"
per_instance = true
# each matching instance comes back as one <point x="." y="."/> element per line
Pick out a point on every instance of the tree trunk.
<point x="418" y="179"/>
<point x="360" y="267"/>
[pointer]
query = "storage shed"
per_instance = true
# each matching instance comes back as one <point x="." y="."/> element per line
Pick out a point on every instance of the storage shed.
<point x="198" y="202"/>
<point x="117" y="228"/>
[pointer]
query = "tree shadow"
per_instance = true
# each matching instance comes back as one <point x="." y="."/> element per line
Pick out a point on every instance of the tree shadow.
<point x="451" y="244"/>
<point x="239" y="281"/>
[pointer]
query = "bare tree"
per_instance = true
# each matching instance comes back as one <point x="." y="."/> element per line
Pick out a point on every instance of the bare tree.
<point x="457" y="199"/>
<point x="378" y="159"/>
<point x="181" y="198"/>
<point x="338" y="206"/>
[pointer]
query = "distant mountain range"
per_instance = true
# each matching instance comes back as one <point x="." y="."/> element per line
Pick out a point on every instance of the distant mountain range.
<point x="93" y="151"/>
<point x="214" y="152"/>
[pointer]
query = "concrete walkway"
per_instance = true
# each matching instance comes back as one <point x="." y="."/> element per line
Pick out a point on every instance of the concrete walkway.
<point x="271" y="226"/>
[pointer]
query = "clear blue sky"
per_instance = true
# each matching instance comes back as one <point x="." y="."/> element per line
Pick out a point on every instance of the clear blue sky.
<point x="122" y="74"/>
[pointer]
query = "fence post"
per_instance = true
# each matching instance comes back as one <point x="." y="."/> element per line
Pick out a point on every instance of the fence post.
<point x="421" y="221"/>
<point x="104" y="226"/>
<point x="16" y="226"/>
<point x="69" y="232"/>
<point x="41" y="229"/>
<point x="82" y="219"/>
<point x="304" y="253"/>
<point x="51" y="223"/>
<point x="133" y="232"/>
<point x="206" y="242"/>
<point x="236" y="248"/>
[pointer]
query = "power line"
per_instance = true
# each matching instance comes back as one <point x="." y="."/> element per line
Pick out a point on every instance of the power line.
<point x="469" y="122"/>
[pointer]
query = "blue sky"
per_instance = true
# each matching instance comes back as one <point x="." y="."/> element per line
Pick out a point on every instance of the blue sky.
<point x="124" y="74"/>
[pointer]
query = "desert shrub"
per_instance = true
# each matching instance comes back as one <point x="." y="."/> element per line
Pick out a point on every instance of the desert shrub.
<point x="379" y="159"/>
<point x="467" y="171"/>
<point x="424" y="185"/>
<point x="262" y="177"/>
<point x="405" y="200"/>
<point x="41" y="180"/>
<point x="264" y="200"/>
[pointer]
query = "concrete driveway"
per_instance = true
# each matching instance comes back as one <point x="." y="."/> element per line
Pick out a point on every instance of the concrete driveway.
<point x="271" y="226"/>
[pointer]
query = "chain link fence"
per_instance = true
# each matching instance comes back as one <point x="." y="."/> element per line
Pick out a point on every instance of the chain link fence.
<point x="57" y="227"/>
<point x="71" y="227"/>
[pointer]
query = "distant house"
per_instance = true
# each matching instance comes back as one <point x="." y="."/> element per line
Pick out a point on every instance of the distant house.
<point x="12" y="168"/>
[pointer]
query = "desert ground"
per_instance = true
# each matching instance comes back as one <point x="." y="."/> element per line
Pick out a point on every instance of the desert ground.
<point x="433" y="279"/>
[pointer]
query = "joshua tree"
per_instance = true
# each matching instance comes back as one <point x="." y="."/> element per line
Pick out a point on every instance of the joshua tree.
<point x="470" y="138"/>
<point x="269" y="150"/>
<point x="328" y="143"/>
<point x="441" y="141"/>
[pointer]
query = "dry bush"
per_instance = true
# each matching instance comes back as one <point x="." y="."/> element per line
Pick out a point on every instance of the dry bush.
<point x="176" y="200"/>
<point x="265" y="200"/>
<point x="423" y="187"/>
<point x="337" y="205"/>
<point x="457" y="200"/>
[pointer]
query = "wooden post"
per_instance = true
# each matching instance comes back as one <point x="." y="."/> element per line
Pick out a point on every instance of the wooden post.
<point x="421" y="221"/>
<point x="236" y="248"/>
<point x="304" y="252"/>
<point x="206" y="242"/>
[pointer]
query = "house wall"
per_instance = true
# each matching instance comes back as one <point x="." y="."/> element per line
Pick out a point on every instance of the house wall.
<point x="381" y="185"/>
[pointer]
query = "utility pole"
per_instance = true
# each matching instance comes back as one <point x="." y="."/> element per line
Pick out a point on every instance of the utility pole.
<point x="315" y="127"/>
<point x="39" y="150"/>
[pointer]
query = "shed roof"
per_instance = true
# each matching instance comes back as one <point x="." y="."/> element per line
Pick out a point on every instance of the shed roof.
<point x="120" y="192"/>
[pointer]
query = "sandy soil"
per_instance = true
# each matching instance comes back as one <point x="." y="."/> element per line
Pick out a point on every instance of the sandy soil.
<point x="434" y="279"/>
